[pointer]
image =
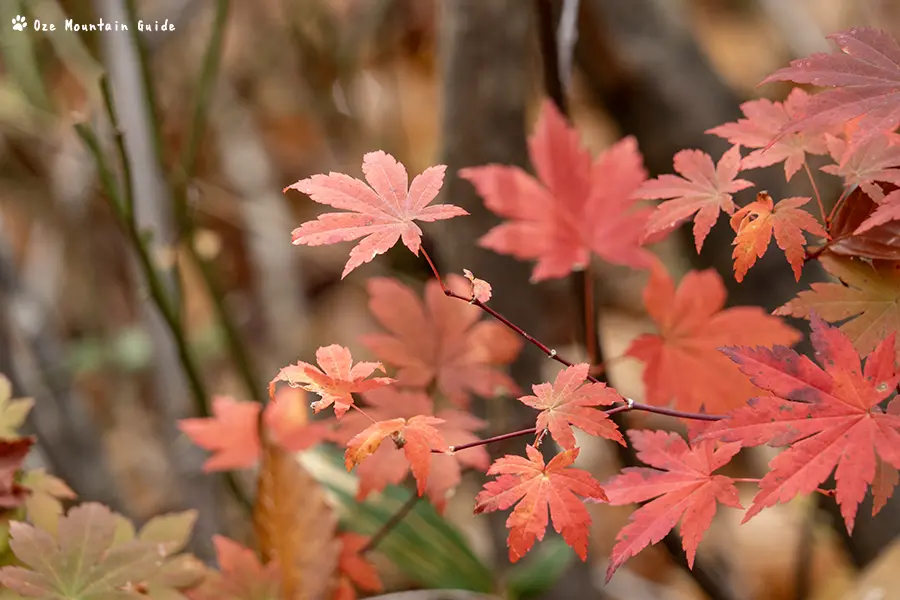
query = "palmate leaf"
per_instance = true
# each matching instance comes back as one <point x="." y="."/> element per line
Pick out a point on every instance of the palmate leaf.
<point x="538" y="489"/>
<point x="334" y="380"/>
<point x="416" y="436"/>
<point x="683" y="362"/>
<point x="572" y="402"/>
<point x="440" y="340"/>
<point x="381" y="214"/>
<point x="389" y="465"/>
<point x="81" y="562"/>
<point x="867" y="299"/>
<point x="755" y="224"/>
<point x="241" y="576"/>
<point x="764" y="120"/>
<point x="681" y="487"/>
<point x="232" y="434"/>
<point x="703" y="188"/>
<point x="574" y="208"/>
<point x="829" y="416"/>
<point x="864" y="77"/>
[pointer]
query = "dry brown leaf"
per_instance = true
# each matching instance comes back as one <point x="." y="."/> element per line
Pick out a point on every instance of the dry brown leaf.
<point x="295" y="526"/>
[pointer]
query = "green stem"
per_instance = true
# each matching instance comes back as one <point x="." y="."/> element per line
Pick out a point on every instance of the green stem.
<point x="157" y="290"/>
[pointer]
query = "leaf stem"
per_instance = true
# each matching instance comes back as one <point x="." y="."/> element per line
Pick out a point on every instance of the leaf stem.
<point x="590" y="319"/>
<point x="837" y="205"/>
<point x="815" y="188"/>
<point x="437" y="274"/>
<point x="628" y="406"/>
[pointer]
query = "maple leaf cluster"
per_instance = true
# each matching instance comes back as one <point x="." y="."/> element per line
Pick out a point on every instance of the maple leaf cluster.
<point x="732" y="366"/>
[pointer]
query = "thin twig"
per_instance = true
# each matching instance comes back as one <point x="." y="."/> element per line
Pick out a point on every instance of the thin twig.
<point x="208" y="76"/>
<point x="553" y="354"/>
<point x="157" y="289"/>
<point x="108" y="101"/>
<point x="590" y="319"/>
<point x="390" y="524"/>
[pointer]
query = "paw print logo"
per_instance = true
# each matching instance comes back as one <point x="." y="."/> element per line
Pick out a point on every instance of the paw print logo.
<point x="19" y="23"/>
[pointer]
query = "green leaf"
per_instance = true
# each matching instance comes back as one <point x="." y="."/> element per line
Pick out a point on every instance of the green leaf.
<point x="425" y="546"/>
<point x="538" y="571"/>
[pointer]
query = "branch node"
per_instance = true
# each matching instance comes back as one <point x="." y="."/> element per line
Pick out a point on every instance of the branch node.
<point x="552" y="353"/>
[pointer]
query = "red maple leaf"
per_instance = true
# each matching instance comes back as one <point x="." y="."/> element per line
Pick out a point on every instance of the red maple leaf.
<point x="829" y="416"/>
<point x="683" y="363"/>
<point x="231" y="434"/>
<point x="755" y="223"/>
<point x="703" y="188"/>
<point x="441" y="341"/>
<point x="569" y="402"/>
<point x="355" y="571"/>
<point x="876" y="158"/>
<point x="12" y="454"/>
<point x="388" y="465"/>
<point x="383" y="213"/>
<point x="336" y="381"/>
<point x="416" y="436"/>
<point x="576" y="208"/>
<point x="684" y="487"/>
<point x="864" y="77"/>
<point x="764" y="121"/>
<point x="242" y="576"/>
<point x="539" y="488"/>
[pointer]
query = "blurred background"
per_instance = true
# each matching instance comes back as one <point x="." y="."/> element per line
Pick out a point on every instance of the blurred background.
<point x="308" y="86"/>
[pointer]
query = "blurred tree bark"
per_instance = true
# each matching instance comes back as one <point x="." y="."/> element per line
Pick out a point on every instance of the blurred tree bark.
<point x="642" y="63"/>
<point x="68" y="439"/>
<point x="486" y="52"/>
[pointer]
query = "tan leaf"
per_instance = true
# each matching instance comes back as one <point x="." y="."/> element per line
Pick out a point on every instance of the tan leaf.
<point x="295" y="526"/>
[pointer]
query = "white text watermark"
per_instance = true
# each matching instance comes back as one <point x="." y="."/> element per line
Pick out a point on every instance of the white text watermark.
<point x="20" y="23"/>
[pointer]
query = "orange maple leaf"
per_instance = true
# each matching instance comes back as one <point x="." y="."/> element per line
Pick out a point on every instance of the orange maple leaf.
<point x="441" y="341"/>
<point x="569" y="401"/>
<point x="683" y="363"/>
<point x="755" y="224"/>
<point x="416" y="436"/>
<point x="684" y="487"/>
<point x="382" y="214"/>
<point x="232" y="434"/>
<point x="829" y="416"/>
<point x="387" y="465"/>
<point x="337" y="379"/>
<point x="539" y="489"/>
